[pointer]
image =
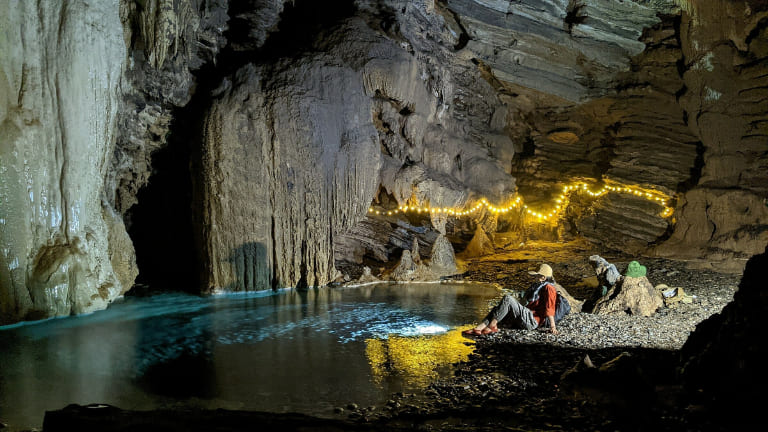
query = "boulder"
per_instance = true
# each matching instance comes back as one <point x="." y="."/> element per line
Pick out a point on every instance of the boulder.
<point x="406" y="269"/>
<point x="442" y="261"/>
<point x="367" y="276"/>
<point x="632" y="295"/>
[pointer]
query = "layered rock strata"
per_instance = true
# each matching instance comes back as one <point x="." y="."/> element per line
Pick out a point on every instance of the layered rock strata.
<point x="725" y="216"/>
<point x="321" y="137"/>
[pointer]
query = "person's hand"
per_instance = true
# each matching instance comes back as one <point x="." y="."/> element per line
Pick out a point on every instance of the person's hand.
<point x="553" y="330"/>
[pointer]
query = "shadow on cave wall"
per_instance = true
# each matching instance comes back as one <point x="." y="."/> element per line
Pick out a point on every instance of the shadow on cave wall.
<point x="250" y="266"/>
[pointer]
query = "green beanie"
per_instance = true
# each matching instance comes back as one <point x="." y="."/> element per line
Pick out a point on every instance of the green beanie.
<point x="634" y="269"/>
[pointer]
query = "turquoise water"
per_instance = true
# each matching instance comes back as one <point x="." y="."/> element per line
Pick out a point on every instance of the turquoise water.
<point x="285" y="351"/>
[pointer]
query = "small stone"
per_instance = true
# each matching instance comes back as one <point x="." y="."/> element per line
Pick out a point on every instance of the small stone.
<point x="338" y="410"/>
<point x="352" y="407"/>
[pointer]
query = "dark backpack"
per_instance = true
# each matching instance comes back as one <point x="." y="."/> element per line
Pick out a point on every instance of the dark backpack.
<point x="562" y="307"/>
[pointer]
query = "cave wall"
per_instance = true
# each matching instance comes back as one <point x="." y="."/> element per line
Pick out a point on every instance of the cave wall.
<point x="421" y="102"/>
<point x="684" y="117"/>
<point x="724" y="217"/>
<point x="87" y="94"/>
<point x="281" y="171"/>
<point x="64" y="249"/>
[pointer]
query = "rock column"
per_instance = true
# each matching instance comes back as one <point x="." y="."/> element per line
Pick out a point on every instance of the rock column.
<point x="61" y="250"/>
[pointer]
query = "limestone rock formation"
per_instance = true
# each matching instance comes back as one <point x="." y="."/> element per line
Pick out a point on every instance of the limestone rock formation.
<point x="410" y="267"/>
<point x="167" y="42"/>
<point x="442" y="260"/>
<point x="632" y="295"/>
<point x="724" y="216"/>
<point x="571" y="50"/>
<point x="391" y="103"/>
<point x="367" y="276"/>
<point x="407" y="269"/>
<point x="479" y="245"/>
<point x="64" y="250"/>
<point x="278" y="179"/>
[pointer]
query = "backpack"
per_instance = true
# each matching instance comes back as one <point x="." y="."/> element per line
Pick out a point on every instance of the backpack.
<point x="562" y="307"/>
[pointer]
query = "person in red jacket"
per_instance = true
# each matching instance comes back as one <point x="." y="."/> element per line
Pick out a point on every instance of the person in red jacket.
<point x="539" y="309"/>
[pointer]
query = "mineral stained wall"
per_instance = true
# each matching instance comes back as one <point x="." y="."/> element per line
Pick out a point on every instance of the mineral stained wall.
<point x="416" y="102"/>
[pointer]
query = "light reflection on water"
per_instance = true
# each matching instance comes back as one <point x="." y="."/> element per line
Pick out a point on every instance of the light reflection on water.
<point x="289" y="351"/>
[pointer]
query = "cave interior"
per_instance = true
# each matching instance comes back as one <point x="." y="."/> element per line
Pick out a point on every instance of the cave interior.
<point x="262" y="145"/>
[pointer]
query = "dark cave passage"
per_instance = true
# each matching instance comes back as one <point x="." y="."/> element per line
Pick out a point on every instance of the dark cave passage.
<point x="161" y="224"/>
<point x="301" y="24"/>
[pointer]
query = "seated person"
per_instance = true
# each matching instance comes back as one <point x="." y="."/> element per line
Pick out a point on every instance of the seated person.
<point x="539" y="310"/>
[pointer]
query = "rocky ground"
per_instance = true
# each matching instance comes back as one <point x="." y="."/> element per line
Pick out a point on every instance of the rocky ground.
<point x="599" y="373"/>
<point x="533" y="380"/>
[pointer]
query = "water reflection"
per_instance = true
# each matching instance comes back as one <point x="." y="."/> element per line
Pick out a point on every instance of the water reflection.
<point x="419" y="360"/>
<point x="287" y="351"/>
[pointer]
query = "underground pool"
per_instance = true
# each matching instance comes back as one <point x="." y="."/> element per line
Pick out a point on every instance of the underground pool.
<point x="277" y="351"/>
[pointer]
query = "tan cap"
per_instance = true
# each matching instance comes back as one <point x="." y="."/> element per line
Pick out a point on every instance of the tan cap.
<point x="544" y="270"/>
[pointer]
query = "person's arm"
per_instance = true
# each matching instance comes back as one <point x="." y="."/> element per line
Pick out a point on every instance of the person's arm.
<point x="552" y="328"/>
<point x="550" y="308"/>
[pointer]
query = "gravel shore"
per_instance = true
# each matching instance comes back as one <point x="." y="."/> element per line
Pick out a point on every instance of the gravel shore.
<point x="600" y="373"/>
<point x="516" y="379"/>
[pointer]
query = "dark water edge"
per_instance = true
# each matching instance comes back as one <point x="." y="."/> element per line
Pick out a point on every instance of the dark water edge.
<point x="286" y="351"/>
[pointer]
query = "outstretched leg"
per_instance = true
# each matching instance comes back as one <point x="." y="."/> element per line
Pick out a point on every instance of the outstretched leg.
<point x="513" y="312"/>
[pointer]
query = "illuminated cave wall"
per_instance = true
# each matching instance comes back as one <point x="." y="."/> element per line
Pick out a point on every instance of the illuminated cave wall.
<point x="384" y="104"/>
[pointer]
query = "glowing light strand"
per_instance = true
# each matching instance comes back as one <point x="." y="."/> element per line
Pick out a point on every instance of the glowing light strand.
<point x="561" y="203"/>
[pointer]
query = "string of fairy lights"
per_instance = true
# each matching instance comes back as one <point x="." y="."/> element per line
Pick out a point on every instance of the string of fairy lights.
<point x="543" y="216"/>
